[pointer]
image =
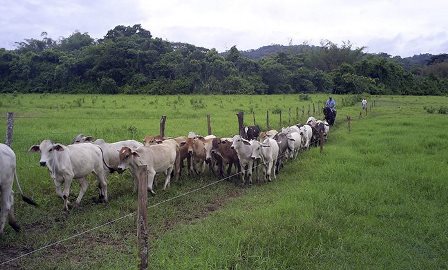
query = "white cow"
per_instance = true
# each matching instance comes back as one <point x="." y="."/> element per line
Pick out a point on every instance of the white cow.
<point x="110" y="150"/>
<point x="294" y="143"/>
<point x="307" y="132"/>
<point x="74" y="161"/>
<point x="244" y="151"/>
<point x="267" y="152"/>
<point x="311" y="121"/>
<point x="158" y="158"/>
<point x="7" y="174"/>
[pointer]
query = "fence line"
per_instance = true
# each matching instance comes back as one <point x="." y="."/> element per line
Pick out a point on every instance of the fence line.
<point x="125" y="216"/>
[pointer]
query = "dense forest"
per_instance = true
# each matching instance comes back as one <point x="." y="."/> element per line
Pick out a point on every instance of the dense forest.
<point x="129" y="60"/>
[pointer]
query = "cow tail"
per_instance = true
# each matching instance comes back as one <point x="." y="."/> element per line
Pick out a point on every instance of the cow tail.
<point x="111" y="170"/>
<point x="24" y="198"/>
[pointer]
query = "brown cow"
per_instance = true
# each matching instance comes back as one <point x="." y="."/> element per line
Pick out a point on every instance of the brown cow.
<point x="224" y="155"/>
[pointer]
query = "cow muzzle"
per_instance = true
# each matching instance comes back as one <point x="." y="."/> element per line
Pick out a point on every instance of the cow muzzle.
<point x="43" y="163"/>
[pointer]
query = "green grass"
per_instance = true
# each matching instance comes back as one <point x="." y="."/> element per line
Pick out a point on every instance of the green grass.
<point x="376" y="198"/>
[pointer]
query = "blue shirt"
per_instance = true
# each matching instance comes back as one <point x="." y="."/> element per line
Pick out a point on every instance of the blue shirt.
<point x="331" y="103"/>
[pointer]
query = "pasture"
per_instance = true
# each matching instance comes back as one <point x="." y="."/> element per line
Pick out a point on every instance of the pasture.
<point x="377" y="197"/>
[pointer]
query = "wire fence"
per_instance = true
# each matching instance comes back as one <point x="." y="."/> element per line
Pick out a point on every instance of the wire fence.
<point x="127" y="215"/>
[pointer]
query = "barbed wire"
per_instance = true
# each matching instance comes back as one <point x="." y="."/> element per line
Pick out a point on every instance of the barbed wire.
<point x="131" y="214"/>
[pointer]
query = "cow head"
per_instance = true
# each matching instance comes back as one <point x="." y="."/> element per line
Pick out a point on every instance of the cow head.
<point x="238" y="142"/>
<point x="47" y="151"/>
<point x="126" y="155"/>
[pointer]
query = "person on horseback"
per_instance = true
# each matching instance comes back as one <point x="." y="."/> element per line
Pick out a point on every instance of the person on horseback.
<point x="331" y="104"/>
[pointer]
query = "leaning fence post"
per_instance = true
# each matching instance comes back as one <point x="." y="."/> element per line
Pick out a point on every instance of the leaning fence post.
<point x="142" y="217"/>
<point x="162" y="126"/>
<point x="209" y="127"/>
<point x="9" y="128"/>
<point x="267" y="120"/>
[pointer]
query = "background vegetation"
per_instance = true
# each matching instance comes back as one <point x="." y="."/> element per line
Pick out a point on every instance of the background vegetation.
<point x="129" y="60"/>
<point x="376" y="198"/>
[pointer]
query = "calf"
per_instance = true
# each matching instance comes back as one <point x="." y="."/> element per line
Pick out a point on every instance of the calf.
<point x="251" y="132"/>
<point x="244" y="151"/>
<point x="7" y="174"/>
<point x="294" y="143"/>
<point x="307" y="132"/>
<point x="267" y="153"/>
<point x="268" y="134"/>
<point x="326" y="128"/>
<point x="74" y="161"/>
<point x="197" y="153"/>
<point x="224" y="155"/>
<point x="283" y="149"/>
<point x="158" y="158"/>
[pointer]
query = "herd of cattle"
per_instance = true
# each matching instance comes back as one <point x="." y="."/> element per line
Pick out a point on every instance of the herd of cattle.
<point x="247" y="153"/>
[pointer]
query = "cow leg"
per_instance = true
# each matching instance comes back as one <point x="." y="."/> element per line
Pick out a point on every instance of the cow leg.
<point x="168" y="178"/>
<point x="151" y="175"/>
<point x="272" y="168"/>
<point x="66" y="192"/>
<point x="249" y="171"/>
<point x="84" y="184"/>
<point x="11" y="217"/>
<point x="6" y="206"/>
<point x="102" y="183"/>
<point x="58" y="186"/>
<point x="268" y="169"/>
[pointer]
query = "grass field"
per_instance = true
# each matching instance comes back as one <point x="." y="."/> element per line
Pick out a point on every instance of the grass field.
<point x="376" y="198"/>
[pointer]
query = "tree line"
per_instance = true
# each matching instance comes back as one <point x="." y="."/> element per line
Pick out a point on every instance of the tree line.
<point x="129" y="60"/>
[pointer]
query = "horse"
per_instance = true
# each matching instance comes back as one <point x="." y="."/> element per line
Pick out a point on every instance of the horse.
<point x="330" y="115"/>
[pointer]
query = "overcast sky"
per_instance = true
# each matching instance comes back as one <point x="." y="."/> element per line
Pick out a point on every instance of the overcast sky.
<point x="396" y="27"/>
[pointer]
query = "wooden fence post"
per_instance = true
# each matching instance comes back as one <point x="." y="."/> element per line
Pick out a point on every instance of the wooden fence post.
<point x="267" y="120"/>
<point x="240" y="116"/>
<point x="289" y="116"/>
<point x="366" y="110"/>
<point x="162" y="126"/>
<point x="253" y="115"/>
<point x="297" y="114"/>
<point x="209" y="127"/>
<point x="142" y="217"/>
<point x="303" y="110"/>
<point x="9" y="128"/>
<point x="314" y="109"/>
<point x="280" y="119"/>
<point x="309" y="109"/>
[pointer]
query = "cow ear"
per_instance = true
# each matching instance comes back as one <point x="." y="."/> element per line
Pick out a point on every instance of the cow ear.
<point x="58" y="147"/>
<point x="135" y="154"/>
<point x="34" y="148"/>
<point x="159" y="141"/>
<point x="182" y="143"/>
<point x="246" y="142"/>
<point x="291" y="139"/>
<point x="265" y="145"/>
